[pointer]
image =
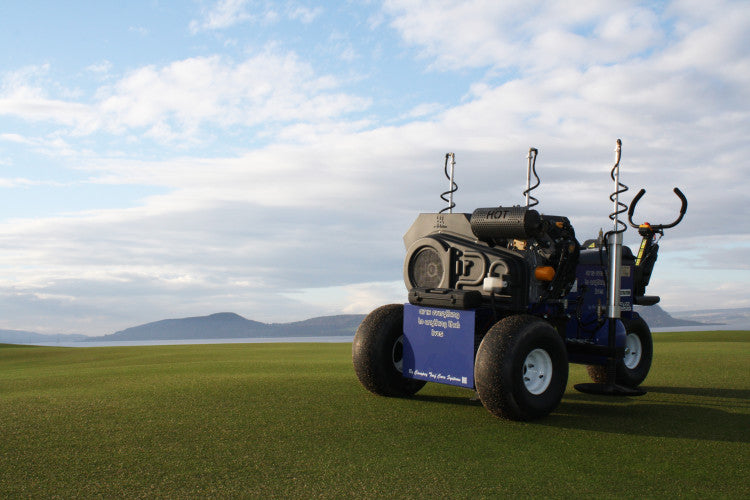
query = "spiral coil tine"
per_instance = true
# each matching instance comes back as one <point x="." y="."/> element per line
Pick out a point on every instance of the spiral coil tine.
<point x="620" y="188"/>
<point x="531" y="169"/>
<point x="447" y="196"/>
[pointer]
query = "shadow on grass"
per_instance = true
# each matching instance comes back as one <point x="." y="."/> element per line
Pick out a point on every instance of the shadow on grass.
<point x="632" y="416"/>
<point x="691" y="419"/>
<point x="741" y="394"/>
<point x="452" y="400"/>
<point x="712" y="414"/>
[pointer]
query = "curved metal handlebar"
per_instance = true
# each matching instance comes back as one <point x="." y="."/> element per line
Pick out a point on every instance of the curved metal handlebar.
<point x="657" y="227"/>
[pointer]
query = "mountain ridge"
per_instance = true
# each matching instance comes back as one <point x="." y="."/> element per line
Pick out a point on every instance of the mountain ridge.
<point x="26" y="337"/>
<point x="230" y="325"/>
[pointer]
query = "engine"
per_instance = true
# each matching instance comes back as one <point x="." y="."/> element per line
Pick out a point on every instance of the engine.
<point x="509" y="257"/>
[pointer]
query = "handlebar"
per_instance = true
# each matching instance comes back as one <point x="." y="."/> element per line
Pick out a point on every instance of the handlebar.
<point x="658" y="227"/>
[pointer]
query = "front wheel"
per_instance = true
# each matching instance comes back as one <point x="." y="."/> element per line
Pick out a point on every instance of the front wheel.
<point x="378" y="352"/>
<point x="633" y="368"/>
<point x="521" y="368"/>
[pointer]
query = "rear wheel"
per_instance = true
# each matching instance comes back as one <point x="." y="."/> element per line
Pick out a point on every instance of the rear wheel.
<point x="521" y="368"/>
<point x="633" y="369"/>
<point x="378" y="353"/>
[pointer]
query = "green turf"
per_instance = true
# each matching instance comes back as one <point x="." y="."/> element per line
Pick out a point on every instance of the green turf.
<point x="291" y="420"/>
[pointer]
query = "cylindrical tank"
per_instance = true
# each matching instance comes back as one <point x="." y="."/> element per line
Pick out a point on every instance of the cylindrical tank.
<point x="500" y="223"/>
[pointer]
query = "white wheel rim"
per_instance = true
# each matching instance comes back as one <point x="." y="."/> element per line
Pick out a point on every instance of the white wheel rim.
<point x="633" y="351"/>
<point x="397" y="355"/>
<point x="537" y="371"/>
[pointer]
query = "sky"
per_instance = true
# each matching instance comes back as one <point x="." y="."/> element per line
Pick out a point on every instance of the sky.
<point x="164" y="159"/>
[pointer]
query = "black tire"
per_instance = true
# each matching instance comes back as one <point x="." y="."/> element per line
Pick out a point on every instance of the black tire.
<point x="377" y="351"/>
<point x="505" y="361"/>
<point x="633" y="369"/>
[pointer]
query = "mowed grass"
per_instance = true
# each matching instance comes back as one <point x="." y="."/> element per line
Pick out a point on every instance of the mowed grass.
<point x="291" y="420"/>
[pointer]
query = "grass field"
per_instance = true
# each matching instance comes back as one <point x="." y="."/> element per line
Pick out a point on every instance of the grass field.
<point x="281" y="420"/>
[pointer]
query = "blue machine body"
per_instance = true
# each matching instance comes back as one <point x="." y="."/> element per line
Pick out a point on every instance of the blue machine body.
<point x="440" y="344"/>
<point x="586" y="311"/>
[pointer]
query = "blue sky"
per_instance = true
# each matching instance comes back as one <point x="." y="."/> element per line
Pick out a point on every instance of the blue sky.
<point x="168" y="159"/>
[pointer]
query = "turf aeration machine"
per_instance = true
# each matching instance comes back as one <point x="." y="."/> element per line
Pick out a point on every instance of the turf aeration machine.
<point x="503" y="299"/>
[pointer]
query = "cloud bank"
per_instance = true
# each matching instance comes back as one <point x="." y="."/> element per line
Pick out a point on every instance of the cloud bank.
<point x="282" y="190"/>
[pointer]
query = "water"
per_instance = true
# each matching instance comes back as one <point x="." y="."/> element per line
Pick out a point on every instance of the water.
<point x="322" y="339"/>
<point x="249" y="340"/>
<point x="701" y="328"/>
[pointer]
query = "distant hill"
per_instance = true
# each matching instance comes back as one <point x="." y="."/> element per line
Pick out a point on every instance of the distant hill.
<point x="220" y="325"/>
<point x="230" y="325"/>
<point x="24" y="337"/>
<point x="656" y="317"/>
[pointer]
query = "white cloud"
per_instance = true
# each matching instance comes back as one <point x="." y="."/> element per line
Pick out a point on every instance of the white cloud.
<point x="17" y="138"/>
<point x="15" y="182"/>
<point x="29" y="104"/>
<point x="357" y="298"/>
<point x="175" y="102"/>
<point x="140" y="30"/>
<point x="304" y="14"/>
<point x="536" y="36"/>
<point x="227" y="13"/>
<point x="22" y="94"/>
<point x="223" y="14"/>
<point x="726" y="293"/>
<point x="101" y="68"/>
<point x="423" y="110"/>
<point x="49" y="145"/>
